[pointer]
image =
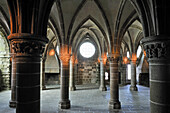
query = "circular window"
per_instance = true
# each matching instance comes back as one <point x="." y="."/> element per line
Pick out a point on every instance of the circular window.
<point x="87" y="49"/>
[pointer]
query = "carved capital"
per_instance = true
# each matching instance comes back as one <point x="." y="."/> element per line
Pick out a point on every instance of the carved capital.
<point x="157" y="50"/>
<point x="26" y="45"/>
<point x="133" y="62"/>
<point x="65" y="58"/>
<point x="65" y="54"/>
<point x="157" y="47"/>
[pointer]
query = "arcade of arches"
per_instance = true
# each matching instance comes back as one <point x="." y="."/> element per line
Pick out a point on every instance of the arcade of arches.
<point x="67" y="43"/>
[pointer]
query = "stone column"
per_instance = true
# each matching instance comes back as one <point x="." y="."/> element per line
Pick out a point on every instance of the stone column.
<point x="72" y="80"/>
<point x="123" y="74"/>
<point x="28" y="50"/>
<point x="12" y="102"/>
<point x="158" y="52"/>
<point x="114" y="102"/>
<point x="64" y="59"/>
<point x="43" y="74"/>
<point x="27" y="40"/>
<point x="133" y="74"/>
<point x="102" y="76"/>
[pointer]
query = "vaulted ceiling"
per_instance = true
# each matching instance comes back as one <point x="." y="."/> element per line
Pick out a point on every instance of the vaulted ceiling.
<point x="71" y="20"/>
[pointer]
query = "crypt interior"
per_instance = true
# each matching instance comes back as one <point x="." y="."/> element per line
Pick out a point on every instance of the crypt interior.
<point x="84" y="56"/>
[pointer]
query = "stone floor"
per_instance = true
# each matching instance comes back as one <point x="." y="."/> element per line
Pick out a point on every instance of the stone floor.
<point x="88" y="99"/>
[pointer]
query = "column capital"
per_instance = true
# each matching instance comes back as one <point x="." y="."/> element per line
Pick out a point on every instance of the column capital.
<point x="113" y="57"/>
<point x="23" y="44"/>
<point x="65" y="54"/>
<point x="157" y="47"/>
<point x="65" y="58"/>
<point x="133" y="61"/>
<point x="103" y="60"/>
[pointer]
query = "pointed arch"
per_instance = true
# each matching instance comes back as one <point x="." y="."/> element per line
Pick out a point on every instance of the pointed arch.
<point x="74" y="18"/>
<point x="82" y="40"/>
<point x="96" y="24"/>
<point x="142" y="7"/>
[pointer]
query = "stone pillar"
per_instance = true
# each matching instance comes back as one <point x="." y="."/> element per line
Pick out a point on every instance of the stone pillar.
<point x="102" y="76"/>
<point x="43" y="74"/>
<point x="64" y="59"/>
<point x="158" y="52"/>
<point x="133" y="73"/>
<point x="114" y="102"/>
<point x="28" y="50"/>
<point x="72" y="80"/>
<point x="12" y="102"/>
<point x="28" y="27"/>
<point x="123" y="74"/>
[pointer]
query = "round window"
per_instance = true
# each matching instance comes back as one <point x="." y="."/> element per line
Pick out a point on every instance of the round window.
<point x="87" y="50"/>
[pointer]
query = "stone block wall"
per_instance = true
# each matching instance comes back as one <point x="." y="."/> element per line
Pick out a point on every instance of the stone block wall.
<point x="88" y="73"/>
<point x="4" y="63"/>
<point x="4" y="72"/>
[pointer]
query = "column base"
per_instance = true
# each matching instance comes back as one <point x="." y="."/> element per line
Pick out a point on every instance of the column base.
<point x="12" y="104"/>
<point x="64" y="104"/>
<point x="72" y="88"/>
<point x="114" y="105"/>
<point x="43" y="87"/>
<point x="133" y="88"/>
<point x="101" y="88"/>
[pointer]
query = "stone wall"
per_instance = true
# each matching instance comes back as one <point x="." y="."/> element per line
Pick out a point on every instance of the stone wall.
<point x="52" y="78"/>
<point x="88" y="73"/>
<point x="52" y="69"/>
<point x="88" y="69"/>
<point x="51" y="63"/>
<point x="5" y="72"/>
<point x="4" y="64"/>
